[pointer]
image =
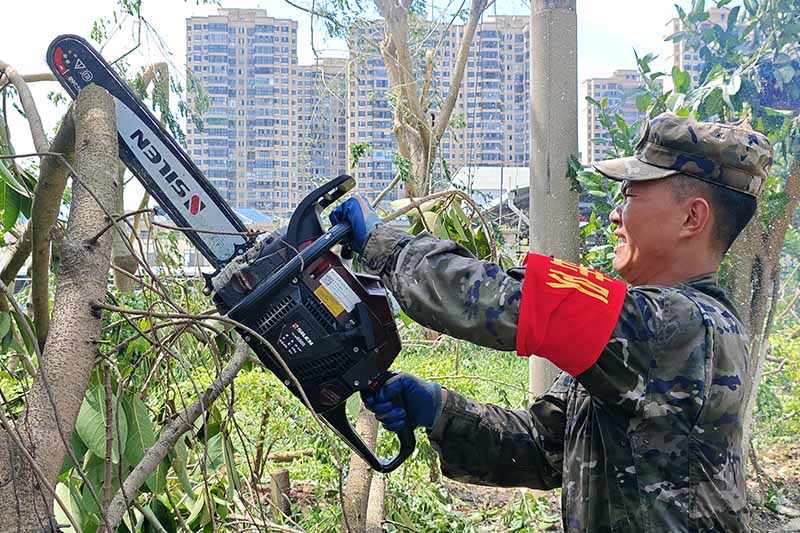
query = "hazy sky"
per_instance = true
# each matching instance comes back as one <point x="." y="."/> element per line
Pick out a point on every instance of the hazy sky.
<point x="608" y="32"/>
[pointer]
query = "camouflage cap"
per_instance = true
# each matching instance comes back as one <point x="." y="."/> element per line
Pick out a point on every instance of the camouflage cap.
<point x="729" y="156"/>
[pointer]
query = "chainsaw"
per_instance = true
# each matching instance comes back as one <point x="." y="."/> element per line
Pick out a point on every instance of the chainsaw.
<point x="332" y="330"/>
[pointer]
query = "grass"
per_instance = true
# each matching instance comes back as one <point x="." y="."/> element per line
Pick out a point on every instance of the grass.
<point x="414" y="502"/>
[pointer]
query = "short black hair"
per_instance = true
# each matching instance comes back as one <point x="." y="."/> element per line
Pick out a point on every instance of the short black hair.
<point x="732" y="209"/>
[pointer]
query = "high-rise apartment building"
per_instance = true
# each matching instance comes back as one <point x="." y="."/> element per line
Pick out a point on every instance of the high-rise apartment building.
<point x="684" y="57"/>
<point x="620" y="90"/>
<point x="490" y="121"/>
<point x="269" y="127"/>
<point x="274" y="129"/>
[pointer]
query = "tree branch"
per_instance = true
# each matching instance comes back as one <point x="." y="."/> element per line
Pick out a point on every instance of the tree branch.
<point x="475" y="13"/>
<point x="170" y="434"/>
<point x="28" y="105"/>
<point x="47" y="196"/>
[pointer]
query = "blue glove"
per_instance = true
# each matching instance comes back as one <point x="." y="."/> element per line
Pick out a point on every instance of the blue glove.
<point x="405" y="398"/>
<point x="362" y="218"/>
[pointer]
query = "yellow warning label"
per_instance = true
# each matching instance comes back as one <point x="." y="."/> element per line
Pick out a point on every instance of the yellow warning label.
<point x="329" y="300"/>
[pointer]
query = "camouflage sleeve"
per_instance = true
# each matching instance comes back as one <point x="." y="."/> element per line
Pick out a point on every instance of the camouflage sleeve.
<point x="657" y="346"/>
<point x="442" y="286"/>
<point x="485" y="444"/>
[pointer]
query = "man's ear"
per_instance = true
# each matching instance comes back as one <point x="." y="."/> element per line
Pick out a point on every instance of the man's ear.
<point x="697" y="217"/>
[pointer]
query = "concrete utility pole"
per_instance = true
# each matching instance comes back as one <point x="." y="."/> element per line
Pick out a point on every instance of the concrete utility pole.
<point x="554" y="137"/>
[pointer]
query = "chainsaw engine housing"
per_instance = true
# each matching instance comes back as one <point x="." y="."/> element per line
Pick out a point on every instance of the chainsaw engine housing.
<point x="333" y="329"/>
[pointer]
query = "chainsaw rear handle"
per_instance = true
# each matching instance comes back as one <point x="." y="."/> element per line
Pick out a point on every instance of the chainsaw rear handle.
<point x="337" y="419"/>
<point x="290" y="270"/>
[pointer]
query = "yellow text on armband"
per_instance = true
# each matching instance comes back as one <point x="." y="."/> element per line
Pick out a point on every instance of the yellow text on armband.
<point x="563" y="280"/>
<point x="582" y="270"/>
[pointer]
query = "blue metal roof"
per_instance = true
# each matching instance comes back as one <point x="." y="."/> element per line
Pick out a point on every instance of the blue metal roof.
<point x="253" y="216"/>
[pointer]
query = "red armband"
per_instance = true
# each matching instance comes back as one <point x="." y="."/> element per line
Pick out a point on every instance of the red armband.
<point x="567" y="312"/>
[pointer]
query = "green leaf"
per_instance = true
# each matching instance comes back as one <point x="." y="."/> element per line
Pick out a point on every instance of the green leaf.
<point x="698" y="8"/>
<point x="214" y="453"/>
<point x="643" y="102"/>
<point x="23" y="331"/>
<point x="78" y="448"/>
<point x="91" y="424"/>
<point x="733" y="16"/>
<point x="141" y="436"/>
<point x="751" y="6"/>
<point x="714" y="102"/>
<point x="682" y="80"/>
<point x="785" y="73"/>
<point x="5" y="323"/>
<point x="180" y="456"/>
<point x="163" y="515"/>
<point x="94" y="468"/>
<point x="9" y="202"/>
<point x="234" y="482"/>
<point x="65" y="494"/>
<point x="8" y="176"/>
<point x="197" y="508"/>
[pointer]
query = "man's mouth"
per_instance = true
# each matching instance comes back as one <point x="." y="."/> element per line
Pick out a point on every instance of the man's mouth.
<point x="621" y="241"/>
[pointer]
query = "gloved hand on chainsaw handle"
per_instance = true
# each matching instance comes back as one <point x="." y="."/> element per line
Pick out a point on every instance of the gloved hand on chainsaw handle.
<point x="403" y="399"/>
<point x="362" y="218"/>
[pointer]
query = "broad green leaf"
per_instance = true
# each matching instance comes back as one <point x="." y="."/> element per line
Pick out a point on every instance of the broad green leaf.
<point x="643" y="102"/>
<point x="197" y="508"/>
<point x="78" y="448"/>
<point x="23" y="331"/>
<point x="66" y="496"/>
<point x="457" y="225"/>
<point x="714" y="102"/>
<point x="751" y="6"/>
<point x="682" y="80"/>
<point x="11" y="179"/>
<point x="733" y="16"/>
<point x="180" y="455"/>
<point x="91" y="424"/>
<point x="94" y="468"/>
<point x="141" y="436"/>
<point x="142" y="431"/>
<point x="214" y="453"/>
<point x="163" y="514"/>
<point x="785" y="73"/>
<point x="8" y="341"/>
<point x="5" y="323"/>
<point x="157" y="481"/>
<point x="9" y="201"/>
<point x="234" y="482"/>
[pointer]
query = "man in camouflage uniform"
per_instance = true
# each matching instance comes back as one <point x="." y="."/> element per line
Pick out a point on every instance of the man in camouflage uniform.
<point x="642" y="429"/>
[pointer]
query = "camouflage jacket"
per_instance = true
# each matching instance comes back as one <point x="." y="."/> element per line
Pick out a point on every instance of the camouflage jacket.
<point x="647" y="439"/>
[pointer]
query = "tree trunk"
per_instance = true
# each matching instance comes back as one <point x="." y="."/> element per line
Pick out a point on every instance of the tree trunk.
<point x="376" y="507"/>
<point x="356" y="492"/>
<point x="753" y="283"/>
<point x="69" y="353"/>
<point x="553" y="211"/>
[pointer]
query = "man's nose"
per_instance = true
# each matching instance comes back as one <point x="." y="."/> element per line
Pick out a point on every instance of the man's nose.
<point x="615" y="216"/>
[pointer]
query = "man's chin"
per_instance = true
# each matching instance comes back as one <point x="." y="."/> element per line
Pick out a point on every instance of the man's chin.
<point x="619" y="264"/>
